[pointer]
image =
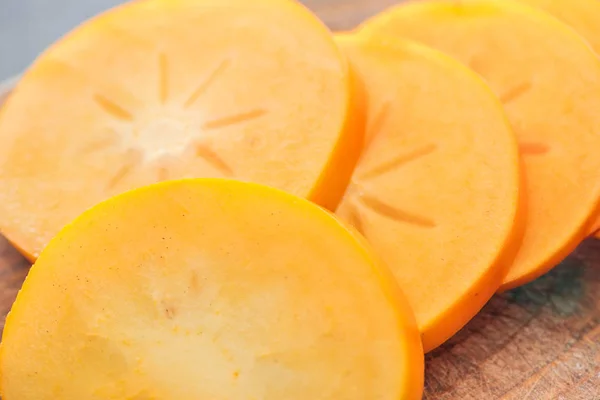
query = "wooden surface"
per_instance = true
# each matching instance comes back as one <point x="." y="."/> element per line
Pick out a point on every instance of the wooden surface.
<point x="541" y="341"/>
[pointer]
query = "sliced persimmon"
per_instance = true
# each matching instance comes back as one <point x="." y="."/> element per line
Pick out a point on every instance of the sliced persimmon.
<point x="548" y="79"/>
<point x="159" y="89"/>
<point x="5" y="89"/>
<point x="229" y="290"/>
<point x="584" y="17"/>
<point x="595" y="229"/>
<point x="437" y="189"/>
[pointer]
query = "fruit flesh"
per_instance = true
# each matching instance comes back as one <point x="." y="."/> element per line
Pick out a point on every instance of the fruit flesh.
<point x="426" y="184"/>
<point x="584" y="17"/>
<point x="156" y="90"/>
<point x="549" y="82"/>
<point x="230" y="291"/>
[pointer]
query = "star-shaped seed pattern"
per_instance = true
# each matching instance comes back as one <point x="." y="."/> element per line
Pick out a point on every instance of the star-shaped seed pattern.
<point x="202" y="150"/>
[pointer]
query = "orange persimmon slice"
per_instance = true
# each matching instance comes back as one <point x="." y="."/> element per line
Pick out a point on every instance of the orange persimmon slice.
<point x="548" y="79"/>
<point x="209" y="289"/>
<point x="584" y="17"/>
<point x="163" y="89"/>
<point x="437" y="189"/>
<point x="595" y="230"/>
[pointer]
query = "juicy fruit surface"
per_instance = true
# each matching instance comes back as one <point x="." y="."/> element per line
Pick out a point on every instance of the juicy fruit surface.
<point x="582" y="15"/>
<point x="230" y="291"/>
<point x="439" y="177"/>
<point x="159" y="89"/>
<point x="549" y="82"/>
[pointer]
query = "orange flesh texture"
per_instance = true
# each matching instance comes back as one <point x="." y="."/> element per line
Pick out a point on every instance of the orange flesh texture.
<point x="581" y="15"/>
<point x="584" y="17"/>
<point x="549" y="81"/>
<point x="230" y="291"/>
<point x="163" y="89"/>
<point x="440" y="172"/>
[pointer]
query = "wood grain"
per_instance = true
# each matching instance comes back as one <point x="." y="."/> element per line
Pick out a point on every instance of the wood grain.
<point x="540" y="341"/>
<point x="537" y="342"/>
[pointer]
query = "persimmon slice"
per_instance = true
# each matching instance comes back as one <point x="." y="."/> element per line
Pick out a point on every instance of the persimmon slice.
<point x="548" y="79"/>
<point x="158" y="89"/>
<point x="584" y="17"/>
<point x="230" y="290"/>
<point x="437" y="189"/>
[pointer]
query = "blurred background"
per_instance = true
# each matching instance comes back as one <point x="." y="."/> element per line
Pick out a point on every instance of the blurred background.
<point x="27" y="27"/>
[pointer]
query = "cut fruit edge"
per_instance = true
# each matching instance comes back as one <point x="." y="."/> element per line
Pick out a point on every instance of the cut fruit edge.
<point x="581" y="229"/>
<point x="458" y="313"/>
<point x="413" y="368"/>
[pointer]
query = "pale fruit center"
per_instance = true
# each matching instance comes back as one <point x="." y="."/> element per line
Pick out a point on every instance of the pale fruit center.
<point x="160" y="137"/>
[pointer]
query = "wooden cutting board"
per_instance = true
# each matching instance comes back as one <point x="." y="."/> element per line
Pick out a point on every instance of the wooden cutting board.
<point x="537" y="342"/>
